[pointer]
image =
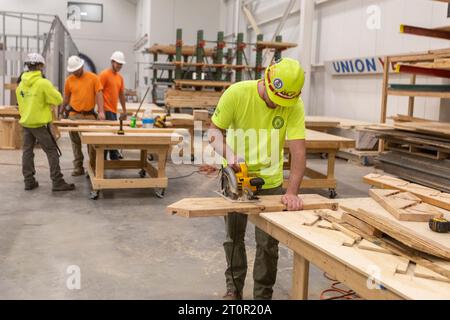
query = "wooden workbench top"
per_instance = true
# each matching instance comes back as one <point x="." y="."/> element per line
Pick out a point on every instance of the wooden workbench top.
<point x="107" y="138"/>
<point x="320" y="140"/>
<point x="361" y="260"/>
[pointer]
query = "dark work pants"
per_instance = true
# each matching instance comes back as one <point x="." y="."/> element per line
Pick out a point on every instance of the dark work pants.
<point x="113" y="154"/>
<point x="41" y="135"/>
<point x="266" y="259"/>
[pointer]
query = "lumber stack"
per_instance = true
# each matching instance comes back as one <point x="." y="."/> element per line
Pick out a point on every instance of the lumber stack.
<point x="191" y="99"/>
<point x="418" y="150"/>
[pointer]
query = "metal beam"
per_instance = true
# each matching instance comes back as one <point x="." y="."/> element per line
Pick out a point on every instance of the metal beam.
<point x="306" y="40"/>
<point x="251" y="19"/>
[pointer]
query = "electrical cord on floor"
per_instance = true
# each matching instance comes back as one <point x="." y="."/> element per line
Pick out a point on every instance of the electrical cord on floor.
<point x="185" y="176"/>
<point x="342" y="294"/>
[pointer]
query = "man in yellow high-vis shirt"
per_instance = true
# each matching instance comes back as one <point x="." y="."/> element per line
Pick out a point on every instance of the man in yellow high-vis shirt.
<point x="271" y="112"/>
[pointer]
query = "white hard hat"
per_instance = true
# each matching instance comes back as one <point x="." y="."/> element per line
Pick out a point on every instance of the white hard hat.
<point x="74" y="63"/>
<point x="34" y="58"/>
<point x="118" y="57"/>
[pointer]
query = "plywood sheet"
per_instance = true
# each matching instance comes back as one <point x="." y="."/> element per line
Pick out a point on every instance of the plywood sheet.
<point x="416" y="235"/>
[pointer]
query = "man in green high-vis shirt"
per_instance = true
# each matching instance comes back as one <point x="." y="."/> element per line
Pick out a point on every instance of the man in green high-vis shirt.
<point x="36" y="96"/>
<point x="258" y="117"/>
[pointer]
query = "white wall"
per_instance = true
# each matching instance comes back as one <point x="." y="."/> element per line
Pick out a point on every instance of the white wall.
<point x="341" y="32"/>
<point x="161" y="18"/>
<point x="97" y="40"/>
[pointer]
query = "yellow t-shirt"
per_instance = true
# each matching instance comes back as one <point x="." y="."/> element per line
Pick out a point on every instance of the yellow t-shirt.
<point x="252" y="126"/>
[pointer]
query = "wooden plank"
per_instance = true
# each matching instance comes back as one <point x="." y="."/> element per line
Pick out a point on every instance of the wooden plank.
<point x="144" y="139"/>
<point x="423" y="272"/>
<point x="367" y="245"/>
<point x="325" y="225"/>
<point x="416" y="235"/>
<point x="171" y="50"/>
<point x="413" y="93"/>
<point x="203" y="83"/>
<point x="275" y="45"/>
<point x="319" y="140"/>
<point x="428" y="195"/>
<point x="430" y="127"/>
<point x="114" y="129"/>
<point x="419" y="31"/>
<point x="209" y="207"/>
<point x="361" y="225"/>
<point x="405" y="206"/>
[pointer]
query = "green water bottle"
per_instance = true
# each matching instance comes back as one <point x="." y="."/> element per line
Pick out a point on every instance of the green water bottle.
<point x="133" y="122"/>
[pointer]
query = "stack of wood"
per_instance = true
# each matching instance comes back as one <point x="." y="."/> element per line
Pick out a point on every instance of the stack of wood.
<point x="10" y="129"/>
<point x="418" y="150"/>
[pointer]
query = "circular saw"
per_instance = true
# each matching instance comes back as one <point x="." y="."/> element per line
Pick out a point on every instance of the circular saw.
<point x="239" y="186"/>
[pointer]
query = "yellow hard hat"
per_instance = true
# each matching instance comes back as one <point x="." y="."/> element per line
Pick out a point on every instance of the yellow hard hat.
<point x="284" y="81"/>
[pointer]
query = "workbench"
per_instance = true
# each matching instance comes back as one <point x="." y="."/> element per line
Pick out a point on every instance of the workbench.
<point x="158" y="143"/>
<point x="320" y="143"/>
<point x="354" y="266"/>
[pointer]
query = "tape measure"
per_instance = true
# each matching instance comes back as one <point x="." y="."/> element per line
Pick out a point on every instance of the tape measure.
<point x="440" y="225"/>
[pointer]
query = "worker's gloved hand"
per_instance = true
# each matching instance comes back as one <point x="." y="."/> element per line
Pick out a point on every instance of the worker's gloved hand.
<point x="292" y="201"/>
<point x="123" y="116"/>
<point x="101" y="116"/>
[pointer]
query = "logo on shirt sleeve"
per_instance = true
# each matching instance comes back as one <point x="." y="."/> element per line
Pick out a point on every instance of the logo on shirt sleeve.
<point x="278" y="122"/>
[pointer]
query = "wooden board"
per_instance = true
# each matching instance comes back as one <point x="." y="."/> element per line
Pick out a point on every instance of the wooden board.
<point x="106" y="138"/>
<point x="332" y="122"/>
<point x="429" y="127"/>
<point x="320" y="140"/>
<point x="416" y="235"/>
<point x="218" y="206"/>
<point x="405" y="206"/>
<point x="361" y="225"/>
<point x="171" y="50"/>
<point x="367" y="245"/>
<point x="423" y="272"/>
<point x="114" y="129"/>
<point x="9" y="111"/>
<point x="202" y="83"/>
<point x="193" y="99"/>
<point x="428" y="195"/>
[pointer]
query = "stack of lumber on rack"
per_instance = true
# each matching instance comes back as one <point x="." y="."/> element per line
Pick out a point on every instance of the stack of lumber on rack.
<point x="171" y="50"/>
<point x="191" y="99"/>
<point x="418" y="150"/>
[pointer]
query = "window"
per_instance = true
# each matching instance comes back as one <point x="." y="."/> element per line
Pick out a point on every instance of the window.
<point x="82" y="11"/>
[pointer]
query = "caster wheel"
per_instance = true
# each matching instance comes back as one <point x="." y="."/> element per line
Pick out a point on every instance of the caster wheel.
<point x="323" y="155"/>
<point x="87" y="175"/>
<point x="333" y="193"/>
<point x="160" y="193"/>
<point x="150" y="157"/>
<point x="94" y="195"/>
<point x="142" y="173"/>
<point x="192" y="158"/>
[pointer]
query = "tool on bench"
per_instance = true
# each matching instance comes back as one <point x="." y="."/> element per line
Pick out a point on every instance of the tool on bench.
<point x="239" y="186"/>
<point x="134" y="117"/>
<point x="160" y="122"/>
<point x="440" y="225"/>
<point x="121" y="132"/>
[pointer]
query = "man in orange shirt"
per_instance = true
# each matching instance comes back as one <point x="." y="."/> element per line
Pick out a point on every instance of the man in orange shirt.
<point x="113" y="92"/>
<point x="82" y="91"/>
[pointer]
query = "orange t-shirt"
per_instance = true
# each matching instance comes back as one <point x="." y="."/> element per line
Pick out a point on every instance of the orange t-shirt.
<point x="112" y="86"/>
<point x="82" y="91"/>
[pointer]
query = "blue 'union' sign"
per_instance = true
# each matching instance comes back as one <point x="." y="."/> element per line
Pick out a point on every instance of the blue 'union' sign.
<point x="356" y="66"/>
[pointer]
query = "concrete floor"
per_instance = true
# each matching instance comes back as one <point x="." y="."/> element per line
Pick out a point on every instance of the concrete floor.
<point x="125" y="244"/>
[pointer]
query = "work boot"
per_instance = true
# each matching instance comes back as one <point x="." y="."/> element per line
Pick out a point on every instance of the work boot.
<point x="78" y="172"/>
<point x="63" y="186"/>
<point x="31" y="185"/>
<point x="232" y="295"/>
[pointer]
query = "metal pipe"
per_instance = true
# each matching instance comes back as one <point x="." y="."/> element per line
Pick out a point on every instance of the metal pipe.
<point x="237" y="5"/>
<point x="21" y="45"/>
<point x="37" y="33"/>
